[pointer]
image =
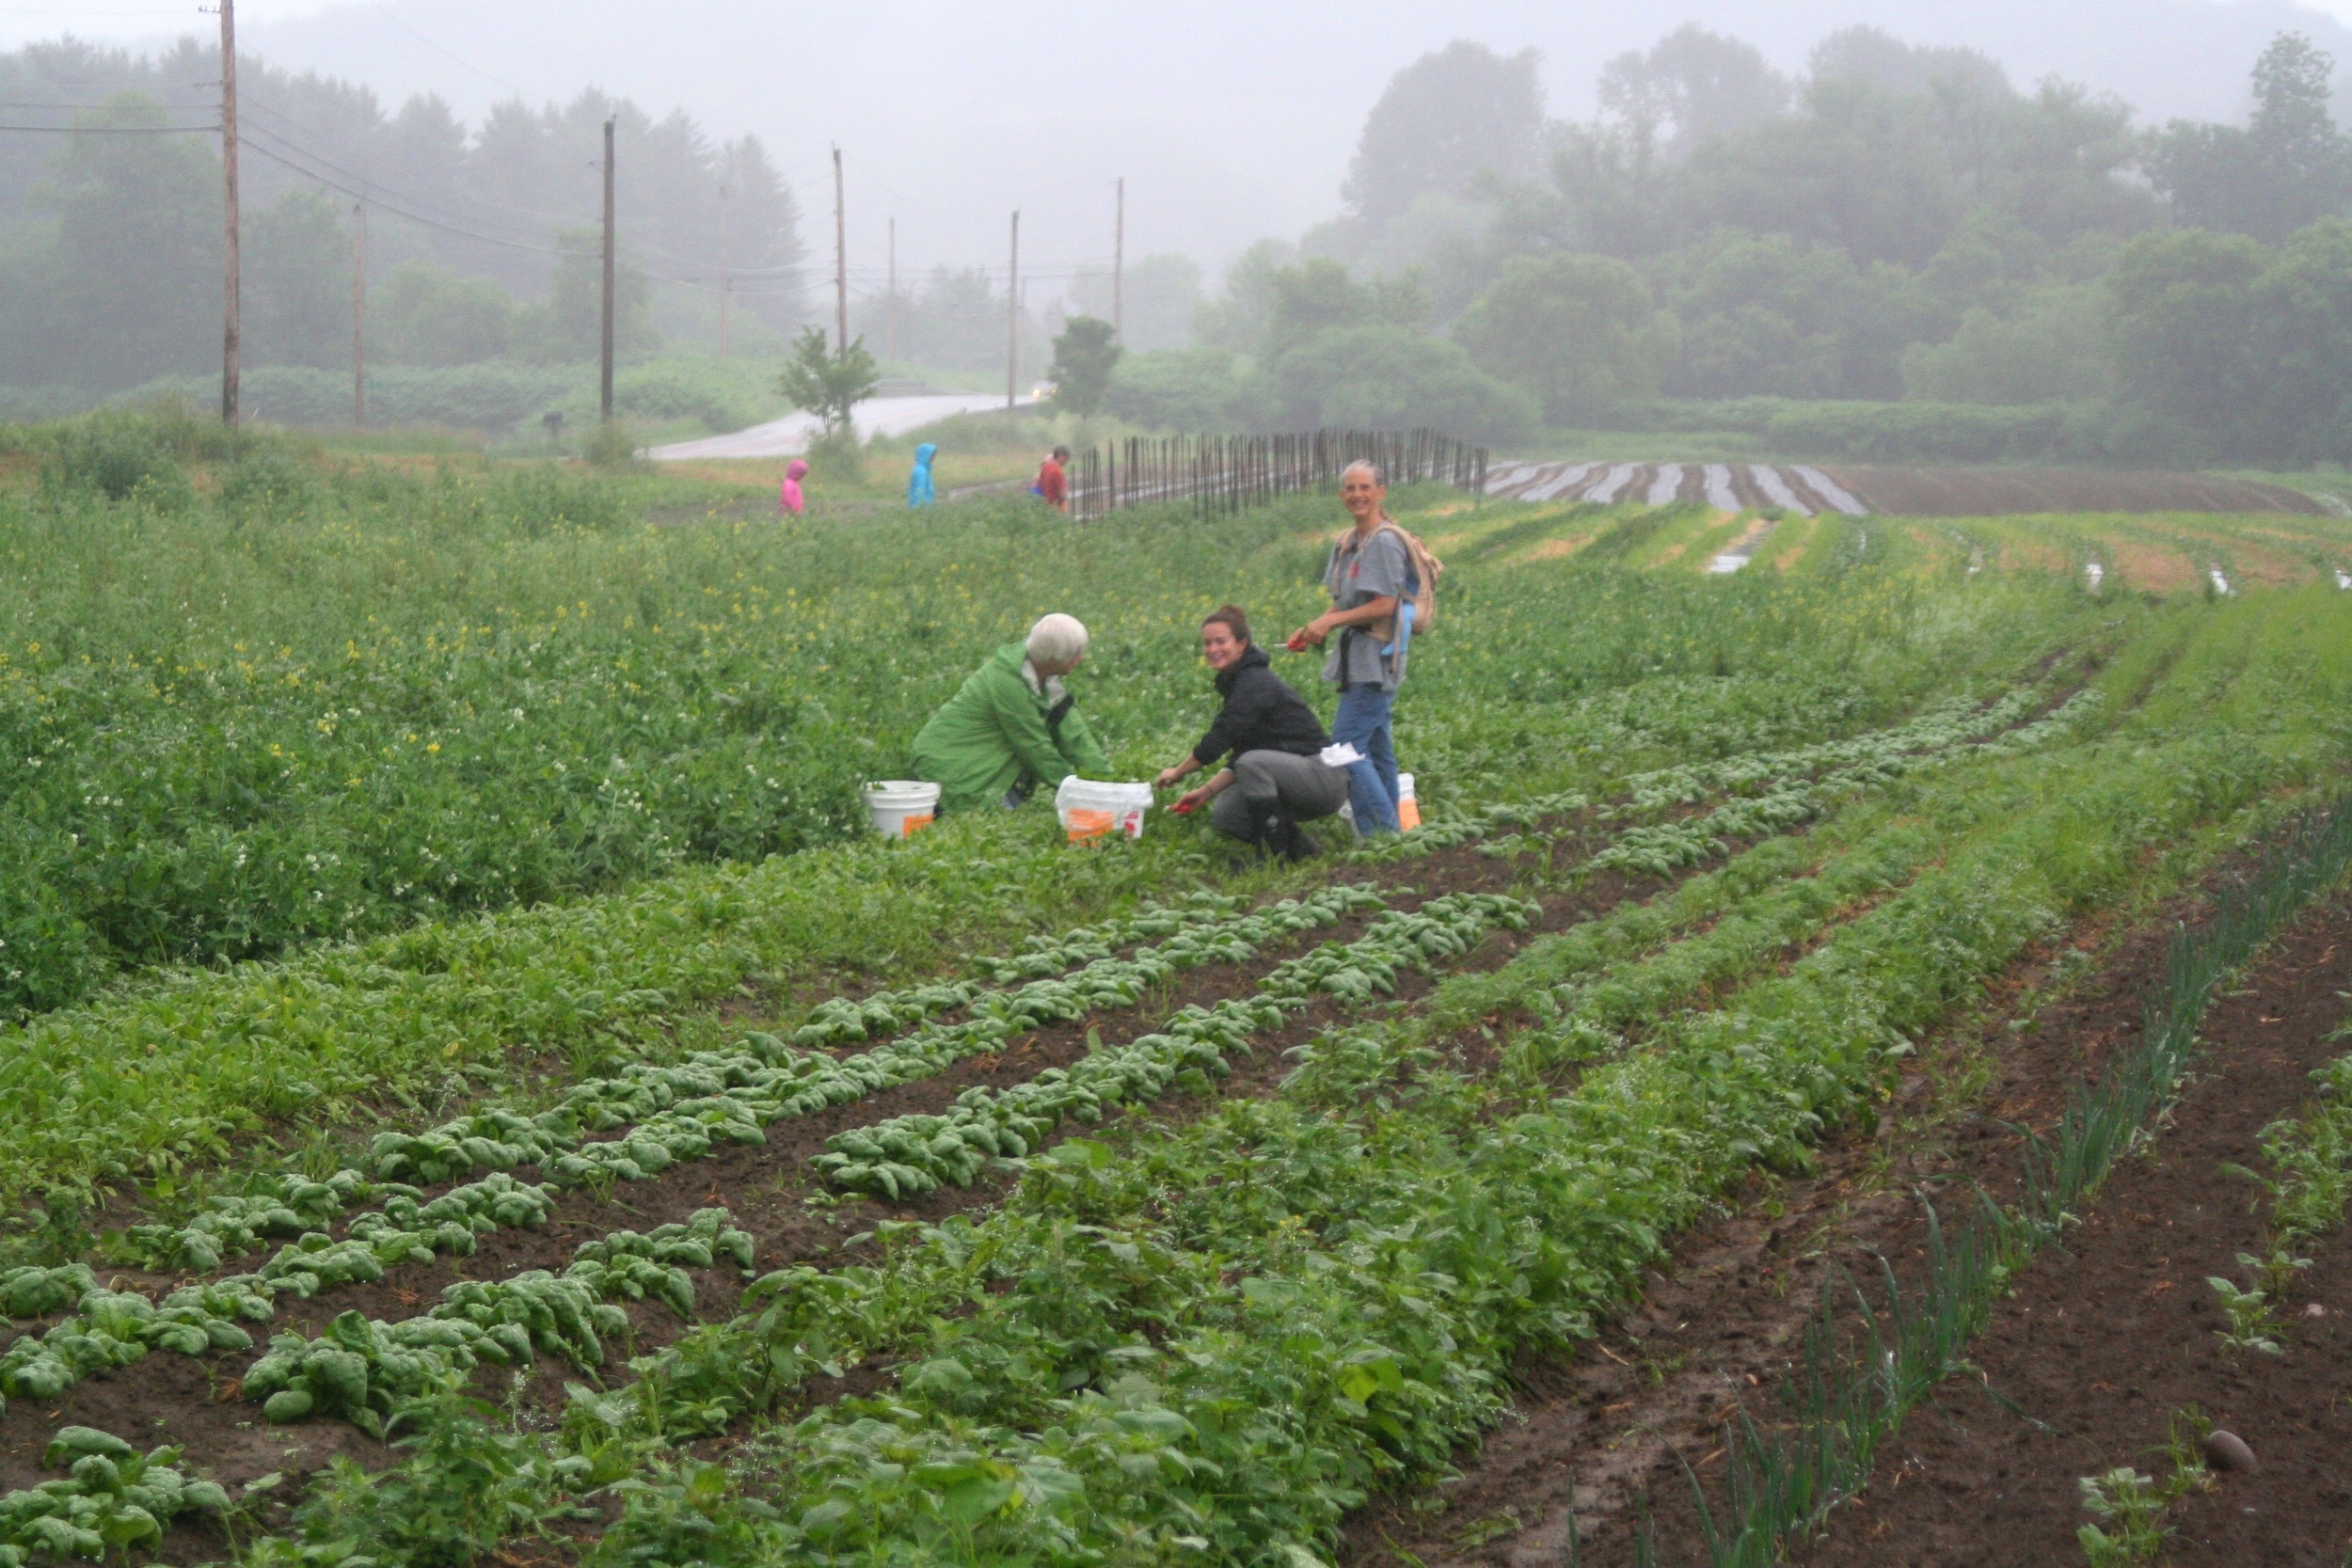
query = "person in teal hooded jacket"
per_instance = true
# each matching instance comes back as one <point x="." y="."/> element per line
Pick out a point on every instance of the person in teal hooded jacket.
<point x="919" y="491"/>
<point x="1012" y="726"/>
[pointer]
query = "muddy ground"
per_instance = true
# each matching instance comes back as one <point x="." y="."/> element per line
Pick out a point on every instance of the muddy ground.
<point x="2103" y="1341"/>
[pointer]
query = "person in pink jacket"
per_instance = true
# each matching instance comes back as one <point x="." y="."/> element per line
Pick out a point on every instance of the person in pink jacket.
<point x="789" y="499"/>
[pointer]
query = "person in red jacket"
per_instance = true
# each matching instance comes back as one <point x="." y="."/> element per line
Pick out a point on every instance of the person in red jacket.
<point x="1052" y="484"/>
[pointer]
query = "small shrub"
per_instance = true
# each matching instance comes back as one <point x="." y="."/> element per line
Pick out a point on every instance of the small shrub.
<point x="613" y="445"/>
<point x="837" y="456"/>
<point x="116" y="458"/>
<point x="266" y="481"/>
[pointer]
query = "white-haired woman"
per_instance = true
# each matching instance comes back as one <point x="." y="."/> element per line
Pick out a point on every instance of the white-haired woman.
<point x="1013" y="725"/>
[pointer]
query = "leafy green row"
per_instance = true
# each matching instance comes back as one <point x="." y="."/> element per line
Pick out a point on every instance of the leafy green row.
<point x="1259" y="1340"/>
<point x="110" y="1499"/>
<point x="684" y="1098"/>
<point x="1941" y="728"/>
<point x="361" y="1369"/>
<point x="1661" y="850"/>
<point x="111" y="1328"/>
<point x="912" y="1154"/>
<point x="843" y="1021"/>
<point x="681" y="1107"/>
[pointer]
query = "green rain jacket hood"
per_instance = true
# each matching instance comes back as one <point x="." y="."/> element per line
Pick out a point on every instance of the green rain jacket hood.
<point x="997" y="728"/>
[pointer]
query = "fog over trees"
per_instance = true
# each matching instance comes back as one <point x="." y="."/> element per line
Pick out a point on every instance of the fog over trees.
<point x="1704" y="219"/>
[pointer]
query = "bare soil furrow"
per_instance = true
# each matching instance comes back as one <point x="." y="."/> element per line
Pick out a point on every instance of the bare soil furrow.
<point x="1606" y="1434"/>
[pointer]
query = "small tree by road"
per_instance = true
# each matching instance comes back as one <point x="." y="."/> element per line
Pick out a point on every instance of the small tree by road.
<point x="830" y="386"/>
<point x="826" y="383"/>
<point x="1084" y="357"/>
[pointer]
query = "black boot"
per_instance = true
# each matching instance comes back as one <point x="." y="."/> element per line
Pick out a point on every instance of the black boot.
<point x="1270" y="828"/>
<point x="1303" y="845"/>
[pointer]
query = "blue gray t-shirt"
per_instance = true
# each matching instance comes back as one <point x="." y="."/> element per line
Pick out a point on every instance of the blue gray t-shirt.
<point x="1358" y="574"/>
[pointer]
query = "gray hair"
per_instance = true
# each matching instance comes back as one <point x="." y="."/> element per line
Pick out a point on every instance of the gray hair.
<point x="1368" y="465"/>
<point x="1057" y="639"/>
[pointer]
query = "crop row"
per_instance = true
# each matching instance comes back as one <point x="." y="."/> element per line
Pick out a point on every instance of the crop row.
<point x="1750" y="912"/>
<point x="683" y="1106"/>
<point x="499" y="1322"/>
<point x="1773" y="790"/>
<point x="699" y="1099"/>
<point x="1262" y="1338"/>
<point x="676" y="1111"/>
<point x="362" y="1370"/>
<point x="110" y="1497"/>
<point x="912" y="1154"/>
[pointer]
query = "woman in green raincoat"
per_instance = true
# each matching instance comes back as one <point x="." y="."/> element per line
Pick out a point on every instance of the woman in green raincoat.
<point x="1013" y="725"/>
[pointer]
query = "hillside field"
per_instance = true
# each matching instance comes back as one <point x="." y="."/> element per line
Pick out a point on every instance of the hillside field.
<point x="476" y="1091"/>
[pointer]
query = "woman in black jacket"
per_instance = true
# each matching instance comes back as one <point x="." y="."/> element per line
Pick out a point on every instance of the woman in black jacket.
<point x="1277" y="778"/>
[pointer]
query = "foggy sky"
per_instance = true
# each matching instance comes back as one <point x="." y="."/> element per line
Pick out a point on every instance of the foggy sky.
<point x="1229" y="121"/>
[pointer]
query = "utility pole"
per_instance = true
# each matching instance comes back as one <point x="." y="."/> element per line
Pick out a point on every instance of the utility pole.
<point x="604" y="385"/>
<point x="1012" y="318"/>
<point x="359" y="314"/>
<point x="726" y="280"/>
<point x="890" y="322"/>
<point x="840" y="257"/>
<point x="1119" y="265"/>
<point x="230" y="326"/>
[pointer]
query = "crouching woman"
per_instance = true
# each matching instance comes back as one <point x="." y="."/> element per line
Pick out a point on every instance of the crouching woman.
<point x="1277" y="778"/>
<point x="1014" y="726"/>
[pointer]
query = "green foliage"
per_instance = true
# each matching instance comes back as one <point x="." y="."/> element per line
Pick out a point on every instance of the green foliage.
<point x="2050" y="348"/>
<point x="111" y="1498"/>
<point x="568" y="326"/>
<point x="2250" y="1317"/>
<point x="1387" y="378"/>
<point x="2287" y="168"/>
<point x="1451" y="117"/>
<point x="1576" y="331"/>
<point x="1085" y="358"/>
<point x="296" y="282"/>
<point x="465" y="1483"/>
<point x="1319" y="297"/>
<point x="2129" y="1504"/>
<point x="425" y="314"/>
<point x="123" y="459"/>
<point x="613" y="446"/>
<point x="128" y="286"/>
<point x="1179" y="390"/>
<point x="826" y="383"/>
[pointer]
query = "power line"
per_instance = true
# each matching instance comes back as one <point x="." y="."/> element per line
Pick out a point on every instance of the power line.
<point x="111" y="130"/>
<point x="397" y="210"/>
<point x="491" y="209"/>
<point x="452" y="55"/>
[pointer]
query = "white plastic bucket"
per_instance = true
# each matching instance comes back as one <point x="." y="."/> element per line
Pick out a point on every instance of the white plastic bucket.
<point x="901" y="808"/>
<point x="1092" y="810"/>
<point x="1407" y="808"/>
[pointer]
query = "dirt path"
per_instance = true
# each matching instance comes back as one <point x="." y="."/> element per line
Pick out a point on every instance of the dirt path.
<point x="2106" y="1339"/>
<point x="1604" y="1434"/>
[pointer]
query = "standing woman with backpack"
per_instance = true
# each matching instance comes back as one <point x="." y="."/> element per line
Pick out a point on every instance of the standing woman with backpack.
<point x="1375" y="575"/>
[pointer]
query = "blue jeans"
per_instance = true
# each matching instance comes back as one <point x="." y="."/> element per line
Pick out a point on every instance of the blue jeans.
<point x="1363" y="722"/>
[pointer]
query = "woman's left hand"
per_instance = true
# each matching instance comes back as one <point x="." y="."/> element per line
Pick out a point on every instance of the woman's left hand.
<point x="1169" y="776"/>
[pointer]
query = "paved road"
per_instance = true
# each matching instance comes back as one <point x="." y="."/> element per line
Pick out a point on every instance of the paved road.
<point x="874" y="417"/>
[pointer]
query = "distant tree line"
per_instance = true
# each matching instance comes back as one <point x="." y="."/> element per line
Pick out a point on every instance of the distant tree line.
<point x="1900" y="223"/>
<point x="482" y="242"/>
